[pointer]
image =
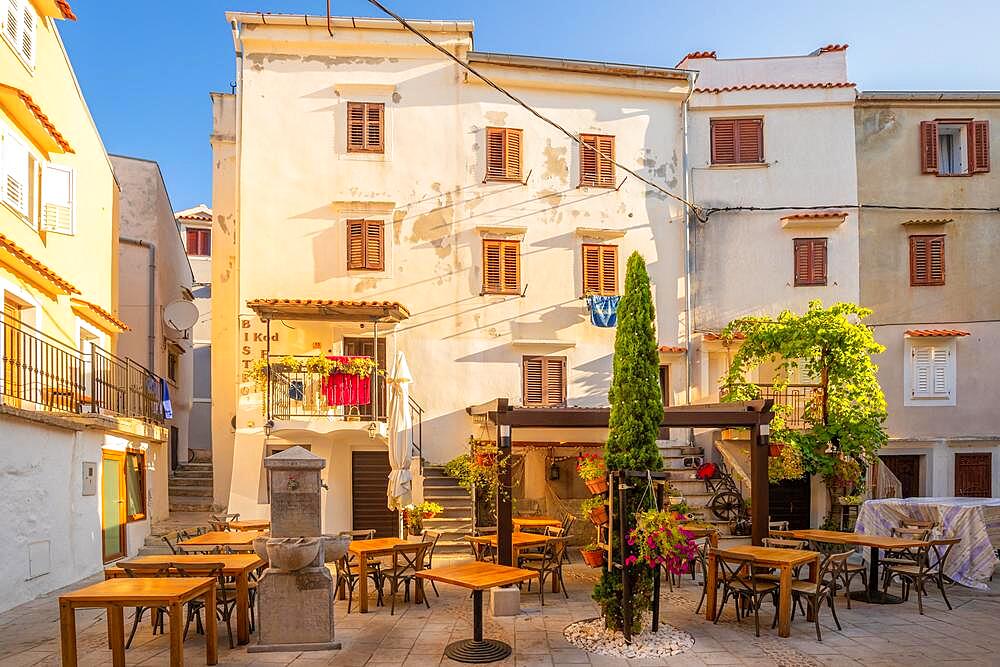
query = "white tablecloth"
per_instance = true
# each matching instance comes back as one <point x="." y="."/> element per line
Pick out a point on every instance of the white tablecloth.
<point x="976" y="521"/>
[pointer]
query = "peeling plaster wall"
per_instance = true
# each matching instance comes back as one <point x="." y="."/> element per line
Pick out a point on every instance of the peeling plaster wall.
<point x="298" y="185"/>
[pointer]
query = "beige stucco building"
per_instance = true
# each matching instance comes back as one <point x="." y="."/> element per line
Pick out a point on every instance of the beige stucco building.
<point x="480" y="223"/>
<point x="82" y="454"/>
<point x="927" y="271"/>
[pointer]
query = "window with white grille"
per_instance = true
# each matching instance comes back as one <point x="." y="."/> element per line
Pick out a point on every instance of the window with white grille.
<point x="930" y="373"/>
<point x="57" y="199"/>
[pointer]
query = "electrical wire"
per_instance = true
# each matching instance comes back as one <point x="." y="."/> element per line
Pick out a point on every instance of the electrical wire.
<point x="506" y="93"/>
<point x="709" y="212"/>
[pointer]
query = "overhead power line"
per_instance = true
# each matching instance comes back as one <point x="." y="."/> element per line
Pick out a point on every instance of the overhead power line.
<point x="506" y="93"/>
<point x="709" y="212"/>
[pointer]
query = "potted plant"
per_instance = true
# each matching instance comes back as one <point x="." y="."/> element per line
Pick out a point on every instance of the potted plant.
<point x="787" y="465"/>
<point x="660" y="539"/>
<point x="593" y="555"/>
<point x="775" y="448"/>
<point x="590" y="468"/>
<point x="414" y="515"/>
<point x="596" y="509"/>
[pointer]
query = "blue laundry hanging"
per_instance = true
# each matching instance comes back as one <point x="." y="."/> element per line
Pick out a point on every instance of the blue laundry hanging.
<point x="168" y="409"/>
<point x="603" y="310"/>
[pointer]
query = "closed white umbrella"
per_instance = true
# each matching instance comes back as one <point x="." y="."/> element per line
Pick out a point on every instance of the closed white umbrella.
<point x="400" y="488"/>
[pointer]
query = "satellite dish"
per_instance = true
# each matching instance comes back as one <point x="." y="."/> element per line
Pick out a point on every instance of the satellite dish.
<point x="180" y="315"/>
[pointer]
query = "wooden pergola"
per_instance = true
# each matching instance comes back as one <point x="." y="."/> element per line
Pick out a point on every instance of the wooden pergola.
<point x="754" y="415"/>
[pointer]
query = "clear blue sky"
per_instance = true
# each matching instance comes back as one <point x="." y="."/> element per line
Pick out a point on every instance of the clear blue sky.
<point x="146" y="66"/>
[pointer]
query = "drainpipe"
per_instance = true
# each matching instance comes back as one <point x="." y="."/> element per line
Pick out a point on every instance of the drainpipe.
<point x="688" y="221"/>
<point x="151" y="248"/>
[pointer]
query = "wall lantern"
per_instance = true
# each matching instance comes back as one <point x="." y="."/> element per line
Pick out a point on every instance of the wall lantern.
<point x="372" y="430"/>
<point x="554" y="471"/>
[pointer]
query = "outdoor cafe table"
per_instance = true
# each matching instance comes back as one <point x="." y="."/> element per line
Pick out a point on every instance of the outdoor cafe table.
<point x="519" y="541"/>
<point x="478" y="577"/>
<point x="238" y="566"/>
<point x="251" y="524"/>
<point x="875" y="543"/>
<point x="222" y="538"/>
<point x="785" y="560"/>
<point x="365" y="550"/>
<point x="520" y="523"/>
<point x="116" y="594"/>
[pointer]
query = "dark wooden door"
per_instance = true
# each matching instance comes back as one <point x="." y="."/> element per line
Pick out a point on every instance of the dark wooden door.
<point x="790" y="501"/>
<point x="369" y="483"/>
<point x="365" y="347"/>
<point x="906" y="468"/>
<point x="974" y="475"/>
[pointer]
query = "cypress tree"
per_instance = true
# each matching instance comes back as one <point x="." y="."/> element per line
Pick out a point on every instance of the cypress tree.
<point x="633" y="427"/>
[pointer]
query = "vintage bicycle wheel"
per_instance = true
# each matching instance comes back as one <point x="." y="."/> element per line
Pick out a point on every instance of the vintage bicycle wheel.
<point x="726" y="505"/>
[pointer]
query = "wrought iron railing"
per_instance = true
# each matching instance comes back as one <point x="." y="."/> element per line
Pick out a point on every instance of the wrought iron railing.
<point x="797" y="399"/>
<point x="40" y="372"/>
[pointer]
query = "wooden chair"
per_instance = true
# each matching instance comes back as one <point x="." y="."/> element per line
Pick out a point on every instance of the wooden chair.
<point x="140" y="570"/>
<point x="701" y="559"/>
<point x="482" y="551"/>
<point x="567" y="525"/>
<point x="848" y="572"/>
<point x="225" y="596"/>
<point x="407" y="560"/>
<point x="824" y="588"/>
<point x="739" y="584"/>
<point x="546" y="564"/>
<point x="347" y="575"/>
<point x="929" y="565"/>
<point x="222" y="521"/>
<point x="431" y="537"/>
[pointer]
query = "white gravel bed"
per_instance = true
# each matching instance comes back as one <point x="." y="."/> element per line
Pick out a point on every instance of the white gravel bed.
<point x="593" y="637"/>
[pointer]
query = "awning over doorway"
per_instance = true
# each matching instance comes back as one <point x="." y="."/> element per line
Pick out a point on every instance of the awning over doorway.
<point x="331" y="310"/>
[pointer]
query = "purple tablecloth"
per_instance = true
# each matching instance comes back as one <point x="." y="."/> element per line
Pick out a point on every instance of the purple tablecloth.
<point x="975" y="521"/>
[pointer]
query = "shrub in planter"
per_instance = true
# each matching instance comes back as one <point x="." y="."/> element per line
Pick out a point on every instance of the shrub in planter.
<point x="596" y="509"/>
<point x="414" y="515"/>
<point x="593" y="555"/>
<point x="590" y="468"/>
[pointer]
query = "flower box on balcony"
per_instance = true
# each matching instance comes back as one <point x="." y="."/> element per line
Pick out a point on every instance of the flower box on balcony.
<point x="341" y="388"/>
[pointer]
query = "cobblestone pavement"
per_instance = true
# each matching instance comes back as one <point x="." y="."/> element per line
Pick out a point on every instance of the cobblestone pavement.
<point x="871" y="635"/>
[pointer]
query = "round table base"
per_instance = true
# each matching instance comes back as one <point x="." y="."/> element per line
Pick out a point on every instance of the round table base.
<point x="878" y="597"/>
<point x="469" y="650"/>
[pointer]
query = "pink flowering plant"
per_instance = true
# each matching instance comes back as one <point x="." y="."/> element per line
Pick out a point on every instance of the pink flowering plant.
<point x="659" y="539"/>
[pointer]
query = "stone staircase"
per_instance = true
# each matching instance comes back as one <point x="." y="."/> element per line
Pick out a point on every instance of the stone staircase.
<point x="190" y="488"/>
<point x="681" y="461"/>
<point x="456" y="519"/>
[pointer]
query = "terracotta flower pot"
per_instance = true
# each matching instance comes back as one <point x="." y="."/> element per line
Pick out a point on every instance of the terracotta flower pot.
<point x="599" y="485"/>
<point x="428" y="515"/>
<point x="599" y="515"/>
<point x="486" y="459"/>
<point x="774" y="449"/>
<point x="593" y="558"/>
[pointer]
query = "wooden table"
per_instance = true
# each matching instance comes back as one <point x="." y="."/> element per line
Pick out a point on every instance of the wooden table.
<point x="478" y="577"/>
<point x="519" y="541"/>
<point x="698" y="532"/>
<point x="251" y="524"/>
<point x="785" y="560"/>
<point x="873" y="542"/>
<point x="520" y="523"/>
<point x="238" y="566"/>
<point x="365" y="550"/>
<point x="116" y="594"/>
<point x="222" y="538"/>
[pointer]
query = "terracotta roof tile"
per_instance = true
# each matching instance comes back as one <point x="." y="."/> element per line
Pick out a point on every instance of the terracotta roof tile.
<point x="66" y="10"/>
<point x="928" y="221"/>
<point x="37" y="112"/>
<point x="103" y="314"/>
<point x="336" y="303"/>
<point x="816" y="215"/>
<point x="776" y="86"/>
<point x="832" y="47"/>
<point x="936" y="333"/>
<point x="712" y="336"/>
<point x="697" y="54"/>
<point x="24" y="256"/>
<point x="673" y="349"/>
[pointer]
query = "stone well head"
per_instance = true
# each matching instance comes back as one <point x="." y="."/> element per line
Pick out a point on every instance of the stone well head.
<point x="296" y="501"/>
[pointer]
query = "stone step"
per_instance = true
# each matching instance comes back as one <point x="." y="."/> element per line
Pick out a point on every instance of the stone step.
<point x="435" y="492"/>
<point x="192" y="505"/>
<point x="192" y="491"/>
<point x="440" y="483"/>
<point x="192" y="474"/>
<point x="453" y="512"/>
<point x="191" y="481"/>
<point x="205" y="465"/>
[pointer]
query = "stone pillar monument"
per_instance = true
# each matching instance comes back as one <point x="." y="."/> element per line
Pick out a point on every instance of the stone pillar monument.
<point x="295" y="594"/>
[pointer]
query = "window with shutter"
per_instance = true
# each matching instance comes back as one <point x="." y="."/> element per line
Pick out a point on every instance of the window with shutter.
<point x="954" y="146"/>
<point x="15" y="172"/>
<point x="979" y="152"/>
<point x="365" y="245"/>
<point x="597" y="160"/>
<point x="199" y="242"/>
<point x="19" y="26"/>
<point x="544" y="381"/>
<point x="931" y="372"/>
<point x="501" y="267"/>
<point x="57" y="199"/>
<point x="737" y="140"/>
<point x="365" y="127"/>
<point x="503" y="154"/>
<point x="600" y="269"/>
<point x="927" y="260"/>
<point x="810" y="262"/>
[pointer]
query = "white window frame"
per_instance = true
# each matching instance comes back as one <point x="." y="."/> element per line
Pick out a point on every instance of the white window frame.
<point x="948" y="367"/>
<point x="71" y="204"/>
<point x="955" y="150"/>
<point x="7" y="140"/>
<point x="20" y="10"/>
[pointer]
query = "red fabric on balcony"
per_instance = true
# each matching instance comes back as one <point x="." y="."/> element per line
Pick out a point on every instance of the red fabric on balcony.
<point x="345" y="389"/>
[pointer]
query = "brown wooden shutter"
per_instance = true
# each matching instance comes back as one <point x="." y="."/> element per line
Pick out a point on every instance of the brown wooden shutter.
<point x="543" y="380"/>
<point x="512" y="154"/>
<point x="532" y="376"/>
<point x="979" y="146"/>
<point x="606" y="165"/>
<point x="609" y="270"/>
<point x="555" y="381"/>
<point x="365" y="127"/>
<point x="503" y="154"/>
<point x="597" y="170"/>
<point x="511" y="266"/>
<point x="750" y="140"/>
<point x="374" y="246"/>
<point x="588" y="160"/>
<point x="810" y="262"/>
<point x="501" y="267"/>
<point x="927" y="260"/>
<point x="600" y="269"/>
<point x="723" y="141"/>
<point x="355" y="244"/>
<point x="929" y="147"/>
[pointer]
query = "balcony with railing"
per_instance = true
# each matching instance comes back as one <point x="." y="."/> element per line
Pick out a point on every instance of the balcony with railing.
<point x="40" y="373"/>
<point x="797" y="401"/>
